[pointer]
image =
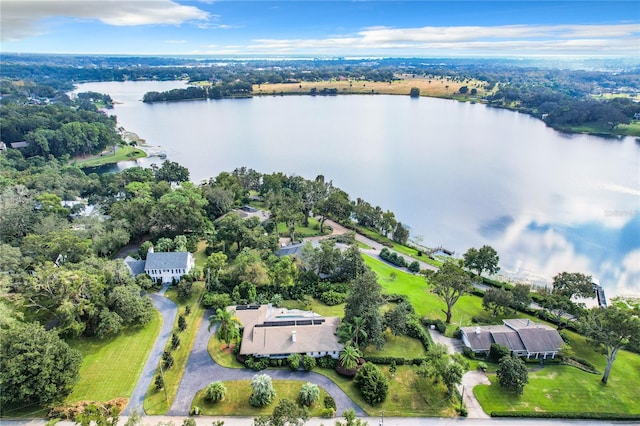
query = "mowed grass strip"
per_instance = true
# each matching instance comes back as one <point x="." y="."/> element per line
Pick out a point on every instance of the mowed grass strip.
<point x="123" y="153"/>
<point x="155" y="402"/>
<point x="236" y="401"/>
<point x="111" y="367"/>
<point x="397" y="346"/>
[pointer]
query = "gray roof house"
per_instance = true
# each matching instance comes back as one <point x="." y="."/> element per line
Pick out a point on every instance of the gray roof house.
<point x="523" y="337"/>
<point x="162" y="266"/>
<point x="277" y="332"/>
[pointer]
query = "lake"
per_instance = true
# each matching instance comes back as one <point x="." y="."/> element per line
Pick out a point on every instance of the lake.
<point x="458" y="174"/>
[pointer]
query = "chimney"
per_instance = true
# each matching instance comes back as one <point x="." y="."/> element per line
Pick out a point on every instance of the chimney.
<point x="477" y="330"/>
<point x="293" y="336"/>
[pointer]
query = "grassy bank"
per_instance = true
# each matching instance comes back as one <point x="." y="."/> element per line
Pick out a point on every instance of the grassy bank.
<point x="122" y="153"/>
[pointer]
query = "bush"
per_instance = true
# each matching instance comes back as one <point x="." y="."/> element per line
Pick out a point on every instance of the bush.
<point x="394" y="258"/>
<point x="417" y="331"/>
<point x="482" y="366"/>
<point x="326" y="362"/>
<point x="372" y="383"/>
<point x="463" y="412"/>
<point x="175" y="341"/>
<point x="437" y="323"/>
<point x="328" y="413"/>
<point x="215" y="392"/>
<point x="159" y="382"/>
<point x="216" y="301"/>
<point x="167" y="360"/>
<point x="498" y="351"/>
<point x="262" y="391"/>
<point x="329" y="402"/>
<point x="309" y="394"/>
<point x="468" y="352"/>
<point x="414" y="267"/>
<point x="332" y="298"/>
<point x="294" y="361"/>
<point x="256" y="364"/>
<point x="308" y="362"/>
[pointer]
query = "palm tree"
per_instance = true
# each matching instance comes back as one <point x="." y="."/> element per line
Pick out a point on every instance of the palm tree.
<point x="353" y="333"/>
<point x="349" y="357"/>
<point x="228" y="325"/>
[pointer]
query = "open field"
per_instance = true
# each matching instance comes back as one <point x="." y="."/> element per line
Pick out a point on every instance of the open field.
<point x="440" y="87"/>
<point x="123" y="153"/>
<point x="155" y="402"/>
<point x="312" y="230"/>
<point x="236" y="402"/>
<point x="397" y="346"/>
<point x="111" y="367"/>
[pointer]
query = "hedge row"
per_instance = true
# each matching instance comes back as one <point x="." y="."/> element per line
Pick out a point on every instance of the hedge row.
<point x="388" y="360"/>
<point x="393" y="257"/>
<point x="566" y="415"/>
<point x="417" y="331"/>
<point x="438" y="323"/>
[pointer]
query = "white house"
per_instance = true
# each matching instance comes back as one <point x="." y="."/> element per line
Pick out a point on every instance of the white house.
<point x="163" y="266"/>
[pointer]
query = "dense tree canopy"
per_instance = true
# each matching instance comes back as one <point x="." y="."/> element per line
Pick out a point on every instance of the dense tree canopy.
<point x="37" y="366"/>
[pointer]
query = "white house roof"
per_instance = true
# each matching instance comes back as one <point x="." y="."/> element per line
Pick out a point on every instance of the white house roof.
<point x="167" y="260"/>
<point x="276" y="331"/>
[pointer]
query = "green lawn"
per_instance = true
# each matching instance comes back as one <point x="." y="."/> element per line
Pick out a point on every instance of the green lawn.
<point x="155" y="402"/>
<point x="110" y="368"/>
<point x="222" y="354"/>
<point x="398" y="346"/>
<point x="123" y="153"/>
<point x="559" y="388"/>
<point x="236" y="402"/>
<point x="407" y="396"/>
<point x="200" y="255"/>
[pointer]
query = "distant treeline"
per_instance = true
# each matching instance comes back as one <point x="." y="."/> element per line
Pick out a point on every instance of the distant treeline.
<point x="218" y="91"/>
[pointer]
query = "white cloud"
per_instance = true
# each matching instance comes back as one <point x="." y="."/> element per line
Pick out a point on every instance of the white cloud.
<point x="22" y="18"/>
<point x="532" y="39"/>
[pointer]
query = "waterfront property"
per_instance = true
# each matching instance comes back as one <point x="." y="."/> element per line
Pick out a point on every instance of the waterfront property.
<point x="278" y="332"/>
<point x="522" y="336"/>
<point x="164" y="267"/>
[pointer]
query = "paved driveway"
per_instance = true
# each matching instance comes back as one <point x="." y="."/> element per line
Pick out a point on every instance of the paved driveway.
<point x="168" y="310"/>
<point x="202" y="370"/>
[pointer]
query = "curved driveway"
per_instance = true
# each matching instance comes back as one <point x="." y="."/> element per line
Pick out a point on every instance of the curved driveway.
<point x="202" y="370"/>
<point x="168" y="309"/>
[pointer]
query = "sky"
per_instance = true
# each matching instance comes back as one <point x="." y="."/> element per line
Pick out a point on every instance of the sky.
<point x="323" y="28"/>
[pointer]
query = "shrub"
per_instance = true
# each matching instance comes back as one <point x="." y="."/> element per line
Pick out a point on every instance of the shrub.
<point x="216" y="301"/>
<point x="414" y="267"/>
<point x="256" y="364"/>
<point x="167" y="360"/>
<point x="328" y="413"/>
<point x="262" y="391"/>
<point x="468" y="352"/>
<point x="372" y="383"/>
<point x="326" y="362"/>
<point x="417" y="331"/>
<point x="332" y="298"/>
<point x="175" y="341"/>
<point x="498" y="351"/>
<point x="309" y="394"/>
<point x="482" y="366"/>
<point x="188" y="422"/>
<point x="294" y="361"/>
<point x="329" y="402"/>
<point x="308" y="362"/>
<point x="215" y="392"/>
<point x="182" y="323"/>
<point x="463" y="412"/>
<point x="159" y="382"/>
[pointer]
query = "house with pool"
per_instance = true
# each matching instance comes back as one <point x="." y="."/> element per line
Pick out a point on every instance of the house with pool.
<point x="271" y="332"/>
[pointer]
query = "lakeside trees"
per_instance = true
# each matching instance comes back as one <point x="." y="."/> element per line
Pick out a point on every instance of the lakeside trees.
<point x="450" y="283"/>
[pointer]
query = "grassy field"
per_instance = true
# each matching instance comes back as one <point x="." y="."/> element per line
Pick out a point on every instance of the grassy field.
<point x="123" y="153"/>
<point x="435" y="87"/>
<point x="558" y="388"/>
<point x="111" y="367"/>
<point x="398" y="346"/>
<point x="200" y="255"/>
<point x="316" y="306"/>
<point x="236" y="402"/>
<point x="155" y="402"/>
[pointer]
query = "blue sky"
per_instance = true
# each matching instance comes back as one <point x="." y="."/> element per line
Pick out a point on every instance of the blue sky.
<point x="323" y="28"/>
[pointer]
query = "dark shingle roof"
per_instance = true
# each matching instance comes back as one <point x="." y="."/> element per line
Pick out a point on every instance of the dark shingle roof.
<point x="517" y="335"/>
<point x="540" y="339"/>
<point x="135" y="266"/>
<point x="165" y="260"/>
